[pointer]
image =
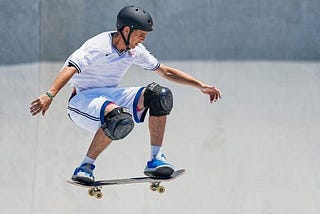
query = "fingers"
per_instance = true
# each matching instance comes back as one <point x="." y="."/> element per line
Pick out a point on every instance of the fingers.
<point x="41" y="104"/>
<point x="35" y="111"/>
<point x="36" y="107"/>
<point x="215" y="96"/>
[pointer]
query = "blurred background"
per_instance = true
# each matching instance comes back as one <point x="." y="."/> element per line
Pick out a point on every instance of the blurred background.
<point x="256" y="151"/>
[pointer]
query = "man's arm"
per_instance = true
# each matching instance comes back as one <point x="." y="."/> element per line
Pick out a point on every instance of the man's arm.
<point x="42" y="103"/>
<point x="178" y="76"/>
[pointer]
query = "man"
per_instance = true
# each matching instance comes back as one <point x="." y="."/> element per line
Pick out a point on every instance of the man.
<point x="98" y="105"/>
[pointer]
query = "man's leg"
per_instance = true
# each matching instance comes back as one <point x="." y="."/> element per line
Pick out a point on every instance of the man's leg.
<point x="115" y="123"/>
<point x="100" y="141"/>
<point x="157" y="127"/>
<point x="157" y="166"/>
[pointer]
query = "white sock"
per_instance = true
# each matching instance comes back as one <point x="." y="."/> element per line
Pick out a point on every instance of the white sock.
<point x="155" y="152"/>
<point x="88" y="160"/>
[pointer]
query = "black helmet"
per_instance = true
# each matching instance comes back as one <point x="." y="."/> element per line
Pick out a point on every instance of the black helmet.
<point x="134" y="17"/>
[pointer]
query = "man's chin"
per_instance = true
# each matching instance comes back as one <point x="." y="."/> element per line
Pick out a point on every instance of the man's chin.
<point x="133" y="46"/>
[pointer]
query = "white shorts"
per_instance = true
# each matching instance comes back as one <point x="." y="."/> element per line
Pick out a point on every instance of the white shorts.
<point x="86" y="108"/>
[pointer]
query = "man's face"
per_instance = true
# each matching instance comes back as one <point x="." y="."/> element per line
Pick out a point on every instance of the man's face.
<point x="137" y="36"/>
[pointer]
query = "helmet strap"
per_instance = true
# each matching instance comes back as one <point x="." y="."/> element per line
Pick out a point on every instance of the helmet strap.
<point x="126" y="41"/>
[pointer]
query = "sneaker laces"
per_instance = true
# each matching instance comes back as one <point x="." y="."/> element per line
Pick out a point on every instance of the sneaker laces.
<point x="87" y="166"/>
<point x="161" y="157"/>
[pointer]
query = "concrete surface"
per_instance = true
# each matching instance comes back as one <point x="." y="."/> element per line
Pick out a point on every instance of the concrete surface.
<point x="43" y="30"/>
<point x="254" y="152"/>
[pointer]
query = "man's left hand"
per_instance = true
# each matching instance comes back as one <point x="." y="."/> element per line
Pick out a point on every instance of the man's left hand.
<point x="212" y="91"/>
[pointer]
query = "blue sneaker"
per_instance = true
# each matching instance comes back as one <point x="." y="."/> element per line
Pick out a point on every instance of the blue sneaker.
<point x="84" y="173"/>
<point x="159" y="167"/>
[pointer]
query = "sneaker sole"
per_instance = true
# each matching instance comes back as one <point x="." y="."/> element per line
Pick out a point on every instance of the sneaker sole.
<point x="160" y="172"/>
<point x="84" y="180"/>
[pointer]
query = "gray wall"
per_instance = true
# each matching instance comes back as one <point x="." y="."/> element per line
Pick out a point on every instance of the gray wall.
<point x="34" y="30"/>
<point x="20" y="31"/>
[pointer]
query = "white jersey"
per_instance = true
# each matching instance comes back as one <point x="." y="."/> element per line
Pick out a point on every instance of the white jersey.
<point x="100" y="64"/>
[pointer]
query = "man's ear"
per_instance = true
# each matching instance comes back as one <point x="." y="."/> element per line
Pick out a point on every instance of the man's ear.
<point x="126" y="30"/>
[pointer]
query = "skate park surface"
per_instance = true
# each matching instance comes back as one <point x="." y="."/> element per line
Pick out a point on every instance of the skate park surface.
<point x="254" y="151"/>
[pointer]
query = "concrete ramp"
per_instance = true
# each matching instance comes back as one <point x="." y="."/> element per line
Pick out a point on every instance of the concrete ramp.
<point x="254" y="152"/>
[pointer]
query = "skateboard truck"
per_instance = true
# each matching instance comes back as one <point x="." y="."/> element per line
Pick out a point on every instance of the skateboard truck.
<point x="155" y="186"/>
<point x="96" y="192"/>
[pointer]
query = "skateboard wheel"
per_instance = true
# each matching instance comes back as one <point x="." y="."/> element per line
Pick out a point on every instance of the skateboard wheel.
<point x="161" y="189"/>
<point x="91" y="192"/>
<point x="98" y="195"/>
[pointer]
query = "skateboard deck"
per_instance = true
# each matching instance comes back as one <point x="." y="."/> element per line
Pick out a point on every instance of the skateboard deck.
<point x="95" y="189"/>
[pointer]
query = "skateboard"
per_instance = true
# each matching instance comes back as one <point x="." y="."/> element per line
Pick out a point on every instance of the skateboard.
<point x="95" y="189"/>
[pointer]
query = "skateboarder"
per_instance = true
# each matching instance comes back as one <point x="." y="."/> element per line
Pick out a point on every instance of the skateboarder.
<point x="98" y="105"/>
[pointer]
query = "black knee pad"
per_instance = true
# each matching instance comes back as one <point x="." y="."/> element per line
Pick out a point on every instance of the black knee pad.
<point x="118" y="123"/>
<point x="158" y="99"/>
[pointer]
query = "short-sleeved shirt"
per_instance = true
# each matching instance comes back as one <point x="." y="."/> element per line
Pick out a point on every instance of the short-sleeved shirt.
<point x="100" y="64"/>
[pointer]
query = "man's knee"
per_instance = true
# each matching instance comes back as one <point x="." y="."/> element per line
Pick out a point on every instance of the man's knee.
<point x="158" y="99"/>
<point x="118" y="123"/>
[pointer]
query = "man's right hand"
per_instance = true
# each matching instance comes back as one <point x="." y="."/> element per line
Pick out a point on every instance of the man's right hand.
<point x="41" y="104"/>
